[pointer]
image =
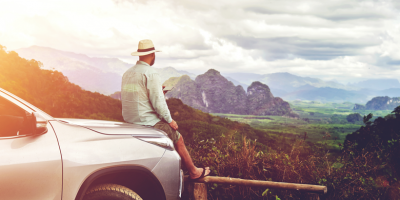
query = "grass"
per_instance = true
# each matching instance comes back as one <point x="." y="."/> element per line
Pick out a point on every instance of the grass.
<point x="324" y="123"/>
<point x="309" y="108"/>
<point x="290" y="127"/>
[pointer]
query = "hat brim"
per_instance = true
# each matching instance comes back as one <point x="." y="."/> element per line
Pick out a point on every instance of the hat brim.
<point x="144" y="53"/>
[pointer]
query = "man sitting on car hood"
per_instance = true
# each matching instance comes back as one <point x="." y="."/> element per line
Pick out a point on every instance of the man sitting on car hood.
<point x="143" y="103"/>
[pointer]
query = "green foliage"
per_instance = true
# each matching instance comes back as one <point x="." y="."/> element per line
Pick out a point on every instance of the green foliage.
<point x="380" y="138"/>
<point x="348" y="176"/>
<point x="292" y="128"/>
<point x="52" y="92"/>
<point x="355" y="117"/>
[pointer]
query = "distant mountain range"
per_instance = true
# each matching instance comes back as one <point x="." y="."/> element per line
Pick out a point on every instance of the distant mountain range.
<point x="285" y="81"/>
<point x="377" y="84"/>
<point x="292" y="87"/>
<point x="103" y="75"/>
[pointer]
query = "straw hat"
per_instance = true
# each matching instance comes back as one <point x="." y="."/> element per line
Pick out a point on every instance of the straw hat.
<point x="145" y="47"/>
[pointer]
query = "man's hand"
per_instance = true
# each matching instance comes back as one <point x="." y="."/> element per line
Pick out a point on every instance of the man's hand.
<point x="173" y="125"/>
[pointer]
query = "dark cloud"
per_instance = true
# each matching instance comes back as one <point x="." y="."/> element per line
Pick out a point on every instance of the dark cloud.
<point x="295" y="47"/>
<point x="330" y="10"/>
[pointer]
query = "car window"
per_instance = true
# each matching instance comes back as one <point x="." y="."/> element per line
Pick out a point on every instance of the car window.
<point x="14" y="120"/>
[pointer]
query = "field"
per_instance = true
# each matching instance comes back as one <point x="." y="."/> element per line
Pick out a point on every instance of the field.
<point x="324" y="123"/>
<point x="307" y="108"/>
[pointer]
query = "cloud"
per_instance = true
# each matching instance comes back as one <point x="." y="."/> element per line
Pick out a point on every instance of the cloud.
<point x="342" y="39"/>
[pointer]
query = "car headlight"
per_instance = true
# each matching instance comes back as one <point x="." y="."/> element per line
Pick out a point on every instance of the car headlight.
<point x="161" y="141"/>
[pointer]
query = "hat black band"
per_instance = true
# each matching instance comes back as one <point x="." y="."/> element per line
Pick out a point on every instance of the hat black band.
<point x="146" y="50"/>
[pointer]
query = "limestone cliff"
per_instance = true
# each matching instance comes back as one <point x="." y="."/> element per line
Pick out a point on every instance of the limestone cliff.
<point x="213" y="93"/>
<point x="383" y="103"/>
<point x="262" y="102"/>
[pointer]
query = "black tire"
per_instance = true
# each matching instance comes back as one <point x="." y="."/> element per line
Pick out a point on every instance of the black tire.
<point x="110" y="192"/>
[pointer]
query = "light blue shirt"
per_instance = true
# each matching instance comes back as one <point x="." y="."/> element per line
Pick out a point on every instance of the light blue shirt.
<point x="143" y="100"/>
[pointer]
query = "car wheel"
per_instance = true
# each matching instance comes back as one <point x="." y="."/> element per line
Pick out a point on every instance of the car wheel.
<point x="111" y="192"/>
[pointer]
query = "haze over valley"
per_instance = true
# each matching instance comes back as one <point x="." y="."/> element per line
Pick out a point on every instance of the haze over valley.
<point x="104" y="75"/>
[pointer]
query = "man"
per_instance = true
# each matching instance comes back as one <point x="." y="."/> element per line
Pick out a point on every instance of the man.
<point x="143" y="103"/>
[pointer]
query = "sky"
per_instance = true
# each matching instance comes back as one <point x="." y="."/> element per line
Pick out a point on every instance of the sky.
<point x="342" y="40"/>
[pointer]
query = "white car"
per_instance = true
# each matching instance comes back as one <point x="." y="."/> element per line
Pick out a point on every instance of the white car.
<point x="42" y="158"/>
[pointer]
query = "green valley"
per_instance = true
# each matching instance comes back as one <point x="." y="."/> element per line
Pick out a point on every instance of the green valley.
<point x="320" y="123"/>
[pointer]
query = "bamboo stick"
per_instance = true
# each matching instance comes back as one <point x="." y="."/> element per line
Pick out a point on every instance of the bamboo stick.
<point x="257" y="183"/>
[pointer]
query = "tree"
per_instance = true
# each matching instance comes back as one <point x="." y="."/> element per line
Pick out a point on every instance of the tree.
<point x="380" y="138"/>
<point x="355" y="117"/>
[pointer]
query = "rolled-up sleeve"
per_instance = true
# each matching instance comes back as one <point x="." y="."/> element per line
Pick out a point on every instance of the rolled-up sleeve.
<point x="157" y="98"/>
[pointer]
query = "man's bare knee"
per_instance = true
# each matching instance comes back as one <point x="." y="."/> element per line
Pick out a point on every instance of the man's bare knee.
<point x="180" y="141"/>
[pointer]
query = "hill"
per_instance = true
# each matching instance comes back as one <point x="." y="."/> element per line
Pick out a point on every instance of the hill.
<point x="52" y="92"/>
<point x="383" y="103"/>
<point x="292" y="87"/>
<point x="103" y="75"/>
<point x="284" y="81"/>
<point x="213" y="93"/>
<point x="326" y="94"/>
<point x="377" y="84"/>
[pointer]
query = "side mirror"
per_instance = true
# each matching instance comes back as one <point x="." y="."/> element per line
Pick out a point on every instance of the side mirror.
<point x="40" y="124"/>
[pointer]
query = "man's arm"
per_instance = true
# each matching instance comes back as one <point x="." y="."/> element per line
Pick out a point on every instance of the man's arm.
<point x="157" y="98"/>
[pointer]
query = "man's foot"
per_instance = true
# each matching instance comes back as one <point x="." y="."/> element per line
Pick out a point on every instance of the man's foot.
<point x="199" y="173"/>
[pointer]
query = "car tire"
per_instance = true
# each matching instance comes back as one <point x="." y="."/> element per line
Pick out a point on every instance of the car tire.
<point x="111" y="191"/>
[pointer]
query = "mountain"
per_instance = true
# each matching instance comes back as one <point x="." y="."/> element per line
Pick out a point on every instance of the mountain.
<point x="245" y="78"/>
<point x="391" y="92"/>
<point x="383" y="103"/>
<point x="235" y="82"/>
<point x="63" y="60"/>
<point x="358" y="107"/>
<point x="101" y="75"/>
<point x="284" y="81"/>
<point x="168" y="72"/>
<point x="377" y="84"/>
<point x="95" y="74"/>
<point x="260" y="101"/>
<point x="326" y="94"/>
<point x="213" y="93"/>
<point x="291" y="87"/>
<point x="290" y="82"/>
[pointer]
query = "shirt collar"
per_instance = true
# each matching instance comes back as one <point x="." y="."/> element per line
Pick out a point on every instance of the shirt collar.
<point x="142" y="63"/>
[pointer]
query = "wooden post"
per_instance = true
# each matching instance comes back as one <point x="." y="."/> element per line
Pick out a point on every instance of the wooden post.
<point x="267" y="184"/>
<point x="197" y="191"/>
<point x="313" y="197"/>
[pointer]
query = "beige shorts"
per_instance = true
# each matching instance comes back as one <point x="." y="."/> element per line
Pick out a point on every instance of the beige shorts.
<point x="173" y="134"/>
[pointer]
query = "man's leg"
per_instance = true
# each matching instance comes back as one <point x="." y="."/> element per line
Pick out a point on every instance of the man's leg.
<point x="180" y="147"/>
<point x="187" y="160"/>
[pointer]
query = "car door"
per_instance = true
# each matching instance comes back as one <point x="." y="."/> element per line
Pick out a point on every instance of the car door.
<point x="30" y="165"/>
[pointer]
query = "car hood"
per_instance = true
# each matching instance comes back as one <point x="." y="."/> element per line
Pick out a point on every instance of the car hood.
<point x="113" y="128"/>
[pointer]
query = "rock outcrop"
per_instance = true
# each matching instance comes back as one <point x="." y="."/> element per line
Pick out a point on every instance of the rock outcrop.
<point x="213" y="93"/>
<point x="383" y="103"/>
<point x="262" y="102"/>
<point x="358" y="107"/>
